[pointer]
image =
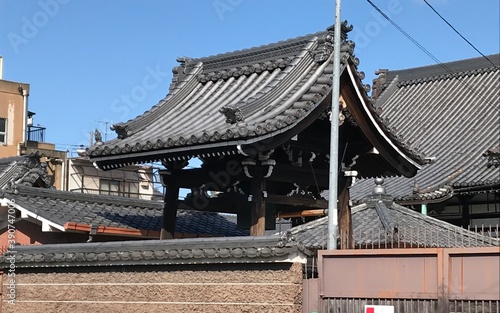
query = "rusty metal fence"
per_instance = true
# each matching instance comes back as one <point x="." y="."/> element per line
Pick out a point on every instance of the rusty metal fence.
<point x="412" y="305"/>
<point x="413" y="271"/>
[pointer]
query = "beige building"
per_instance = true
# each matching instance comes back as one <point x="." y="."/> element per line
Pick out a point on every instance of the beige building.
<point x="133" y="181"/>
<point x="18" y="134"/>
<point x="13" y="117"/>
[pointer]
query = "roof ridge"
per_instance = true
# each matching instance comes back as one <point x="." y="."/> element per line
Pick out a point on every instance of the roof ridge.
<point x="475" y="60"/>
<point x="300" y="40"/>
<point x="433" y="72"/>
<point x="447" y="76"/>
<point x="434" y="221"/>
<point x="259" y="53"/>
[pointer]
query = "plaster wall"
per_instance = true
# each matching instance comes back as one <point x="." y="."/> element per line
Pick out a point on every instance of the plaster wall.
<point x="275" y="287"/>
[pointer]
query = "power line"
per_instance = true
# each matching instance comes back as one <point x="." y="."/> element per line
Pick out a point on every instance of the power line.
<point x="456" y="31"/>
<point x="427" y="52"/>
<point x="406" y="34"/>
<point x="67" y="144"/>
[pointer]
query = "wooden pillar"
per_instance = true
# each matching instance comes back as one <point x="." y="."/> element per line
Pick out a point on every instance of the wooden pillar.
<point x="170" y="211"/>
<point x="345" y="218"/>
<point x="465" y="212"/>
<point x="258" y="208"/>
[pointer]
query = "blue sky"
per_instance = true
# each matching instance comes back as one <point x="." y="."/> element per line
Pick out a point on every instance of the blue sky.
<point x="93" y="63"/>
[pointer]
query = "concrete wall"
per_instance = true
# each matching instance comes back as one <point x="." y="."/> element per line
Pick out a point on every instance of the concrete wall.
<point x="275" y="287"/>
<point x="12" y="108"/>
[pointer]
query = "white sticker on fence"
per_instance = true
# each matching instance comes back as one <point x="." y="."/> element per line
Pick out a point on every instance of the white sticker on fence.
<point x="379" y="309"/>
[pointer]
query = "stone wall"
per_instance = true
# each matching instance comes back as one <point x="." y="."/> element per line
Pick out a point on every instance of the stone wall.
<point x="275" y="287"/>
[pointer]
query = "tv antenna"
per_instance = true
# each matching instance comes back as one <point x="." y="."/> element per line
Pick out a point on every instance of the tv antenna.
<point x="106" y="123"/>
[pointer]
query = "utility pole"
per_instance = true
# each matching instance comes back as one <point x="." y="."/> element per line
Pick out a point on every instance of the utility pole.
<point x="333" y="225"/>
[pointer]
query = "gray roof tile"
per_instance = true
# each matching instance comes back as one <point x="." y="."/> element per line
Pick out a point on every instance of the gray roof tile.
<point x="209" y="95"/>
<point x="61" y="207"/>
<point x="450" y="117"/>
<point x="155" y="252"/>
<point x="219" y="102"/>
<point x="411" y="229"/>
<point x="25" y="169"/>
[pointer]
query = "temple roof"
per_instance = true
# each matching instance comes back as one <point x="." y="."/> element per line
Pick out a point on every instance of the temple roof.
<point x="234" y="102"/>
<point x="450" y="112"/>
<point x="25" y="169"/>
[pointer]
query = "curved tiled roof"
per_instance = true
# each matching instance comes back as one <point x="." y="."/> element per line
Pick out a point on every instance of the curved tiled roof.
<point x="233" y="97"/>
<point x="62" y="208"/>
<point x="26" y="170"/>
<point x="155" y="252"/>
<point x="450" y="117"/>
<point x="219" y="103"/>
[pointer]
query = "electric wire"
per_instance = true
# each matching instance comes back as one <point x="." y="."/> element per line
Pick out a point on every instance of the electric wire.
<point x="458" y="33"/>
<point x="453" y="74"/>
<point x="401" y="30"/>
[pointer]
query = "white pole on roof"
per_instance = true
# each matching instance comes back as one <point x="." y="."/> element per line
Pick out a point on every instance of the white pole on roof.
<point x="333" y="227"/>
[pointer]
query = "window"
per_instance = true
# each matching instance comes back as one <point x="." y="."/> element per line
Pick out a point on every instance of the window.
<point x="131" y="189"/>
<point x="119" y="188"/>
<point x="109" y="187"/>
<point x="3" y="130"/>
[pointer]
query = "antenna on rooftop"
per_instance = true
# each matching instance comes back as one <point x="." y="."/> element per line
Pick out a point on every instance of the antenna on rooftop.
<point x="91" y="138"/>
<point x="106" y="123"/>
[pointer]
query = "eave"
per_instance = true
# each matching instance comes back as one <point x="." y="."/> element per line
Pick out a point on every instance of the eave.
<point x="406" y="163"/>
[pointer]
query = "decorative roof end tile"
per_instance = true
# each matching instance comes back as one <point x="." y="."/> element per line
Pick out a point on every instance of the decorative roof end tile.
<point x="493" y="155"/>
<point x="233" y="115"/>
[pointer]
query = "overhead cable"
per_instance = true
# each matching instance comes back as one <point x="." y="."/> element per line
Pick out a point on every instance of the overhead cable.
<point x="453" y="74"/>
<point x="458" y="33"/>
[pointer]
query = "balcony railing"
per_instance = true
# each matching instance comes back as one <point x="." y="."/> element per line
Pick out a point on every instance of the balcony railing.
<point x="36" y="133"/>
<point x="144" y="196"/>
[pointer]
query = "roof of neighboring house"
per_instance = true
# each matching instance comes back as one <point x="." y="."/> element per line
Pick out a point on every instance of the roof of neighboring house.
<point x="72" y="211"/>
<point x="378" y="221"/>
<point x="224" y="104"/>
<point x="450" y="112"/>
<point x="25" y="170"/>
<point x="157" y="252"/>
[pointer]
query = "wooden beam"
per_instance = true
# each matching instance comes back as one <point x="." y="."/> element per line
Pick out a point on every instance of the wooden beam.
<point x="231" y="203"/>
<point x="345" y="217"/>
<point x="170" y="211"/>
<point x="297" y="201"/>
<point x="300" y="175"/>
<point x="216" y="178"/>
<point x="303" y="213"/>
<point x="258" y="208"/>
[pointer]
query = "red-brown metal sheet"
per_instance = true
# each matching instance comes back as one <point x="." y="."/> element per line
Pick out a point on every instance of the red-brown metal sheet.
<point x="474" y="274"/>
<point x="394" y="273"/>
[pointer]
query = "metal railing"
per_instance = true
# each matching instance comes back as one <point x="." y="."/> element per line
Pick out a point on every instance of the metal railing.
<point x="136" y="195"/>
<point x="36" y="133"/>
